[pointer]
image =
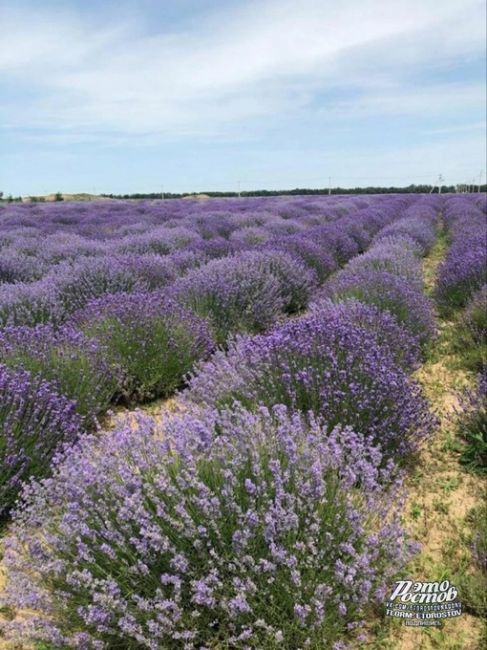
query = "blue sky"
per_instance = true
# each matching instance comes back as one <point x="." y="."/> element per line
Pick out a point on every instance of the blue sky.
<point x="186" y="95"/>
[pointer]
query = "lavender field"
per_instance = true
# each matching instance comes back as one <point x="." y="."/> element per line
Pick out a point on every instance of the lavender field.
<point x="286" y="371"/>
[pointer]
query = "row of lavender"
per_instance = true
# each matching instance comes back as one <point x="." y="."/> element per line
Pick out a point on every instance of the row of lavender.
<point x="203" y="230"/>
<point x="130" y="255"/>
<point x="97" y="329"/>
<point x="266" y="513"/>
<point x="462" y="296"/>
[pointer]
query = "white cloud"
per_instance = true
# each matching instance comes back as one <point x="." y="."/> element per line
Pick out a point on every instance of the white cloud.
<point x="263" y="59"/>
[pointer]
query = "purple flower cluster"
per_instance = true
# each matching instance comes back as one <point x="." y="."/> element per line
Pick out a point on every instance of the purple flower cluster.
<point x="17" y="267"/>
<point x="403" y="346"/>
<point x="75" y="365"/>
<point x="152" y="340"/>
<point x="246" y="292"/>
<point x="303" y="248"/>
<point x="30" y="303"/>
<point x="161" y="240"/>
<point x="418" y="222"/>
<point x="78" y="283"/>
<point x="325" y="364"/>
<point x="34" y="421"/>
<point x="472" y="425"/>
<point x="464" y="269"/>
<point x="471" y="337"/>
<point x="389" y="293"/>
<point x="234" y="529"/>
<point x="391" y="258"/>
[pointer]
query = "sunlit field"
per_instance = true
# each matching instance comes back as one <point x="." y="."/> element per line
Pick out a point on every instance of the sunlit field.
<point x="236" y="423"/>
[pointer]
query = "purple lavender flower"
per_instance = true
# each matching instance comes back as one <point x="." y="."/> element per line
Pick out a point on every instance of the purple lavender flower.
<point x="472" y="424"/>
<point x="151" y="339"/>
<point x="246" y="292"/>
<point x="389" y="333"/>
<point x="74" y="364"/>
<point x="34" y="420"/>
<point x="195" y="558"/>
<point x="389" y="293"/>
<point x="326" y="364"/>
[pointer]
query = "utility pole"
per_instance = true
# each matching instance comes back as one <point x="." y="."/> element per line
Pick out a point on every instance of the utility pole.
<point x="480" y="178"/>
<point x="440" y="183"/>
<point x="329" y="185"/>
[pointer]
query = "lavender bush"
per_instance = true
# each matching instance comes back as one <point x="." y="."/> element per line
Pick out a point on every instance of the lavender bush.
<point x="403" y="347"/>
<point x="78" y="283"/>
<point x="471" y="338"/>
<point x="472" y="425"/>
<point x="34" y="420"/>
<point x="389" y="293"/>
<point x="318" y="259"/>
<point x="246" y="292"/>
<point x="391" y="259"/>
<point x="463" y="271"/>
<point x="421" y="228"/>
<point x="155" y="271"/>
<point x="17" y="267"/>
<point x="30" y="303"/>
<point x="229" y="530"/>
<point x="323" y="364"/>
<point x="75" y="365"/>
<point x="161" y="241"/>
<point x="153" y="340"/>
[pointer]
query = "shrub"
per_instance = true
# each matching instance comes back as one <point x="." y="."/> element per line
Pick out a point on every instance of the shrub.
<point x="246" y="292"/>
<point x="153" y="340"/>
<point x="333" y="238"/>
<point x="400" y="242"/>
<point x="155" y="271"/>
<point x="160" y="240"/>
<point x="403" y="347"/>
<point x="240" y="530"/>
<point x="30" y="304"/>
<point x="74" y="364"/>
<point x="472" y="425"/>
<point x="250" y="236"/>
<point x="387" y="292"/>
<point x="318" y="259"/>
<point x="462" y="274"/>
<point x="471" y="337"/>
<point x="84" y="280"/>
<point x="17" y="267"/>
<point x="34" y="420"/>
<point x="324" y="364"/>
<point x="392" y="259"/>
<point x="422" y="229"/>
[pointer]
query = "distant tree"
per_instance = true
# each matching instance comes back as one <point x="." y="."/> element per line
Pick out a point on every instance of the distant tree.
<point x="1" y="196"/>
<point x="58" y="196"/>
